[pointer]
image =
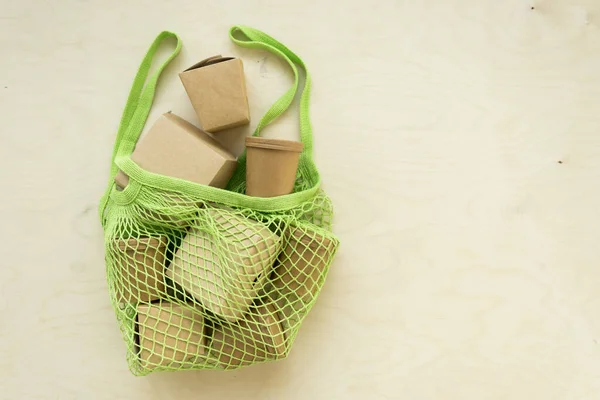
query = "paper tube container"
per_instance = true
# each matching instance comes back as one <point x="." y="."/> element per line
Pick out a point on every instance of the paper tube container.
<point x="271" y="166"/>
<point x="141" y="273"/>
<point x="257" y="337"/>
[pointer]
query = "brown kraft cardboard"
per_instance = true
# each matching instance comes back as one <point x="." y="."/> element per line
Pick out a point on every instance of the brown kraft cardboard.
<point x="302" y="262"/>
<point x="257" y="337"/>
<point x="176" y="148"/>
<point x="217" y="89"/>
<point x="271" y="166"/>
<point x="141" y="273"/>
<point x="299" y="271"/>
<point x="170" y="335"/>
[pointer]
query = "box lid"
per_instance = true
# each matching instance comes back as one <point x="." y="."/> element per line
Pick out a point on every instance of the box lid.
<point x="274" y="144"/>
<point x="209" y="61"/>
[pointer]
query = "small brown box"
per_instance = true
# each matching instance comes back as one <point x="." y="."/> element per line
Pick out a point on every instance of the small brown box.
<point x="225" y="272"/>
<point x="298" y="271"/>
<point x="217" y="89"/>
<point x="257" y="337"/>
<point x="142" y="264"/>
<point x="176" y="148"/>
<point x="170" y="335"/>
<point x="302" y="262"/>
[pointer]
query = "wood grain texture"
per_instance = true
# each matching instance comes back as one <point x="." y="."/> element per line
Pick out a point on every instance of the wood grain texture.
<point x="458" y="139"/>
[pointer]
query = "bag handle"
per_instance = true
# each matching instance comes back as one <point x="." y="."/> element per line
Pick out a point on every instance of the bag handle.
<point x="257" y="39"/>
<point x="137" y="108"/>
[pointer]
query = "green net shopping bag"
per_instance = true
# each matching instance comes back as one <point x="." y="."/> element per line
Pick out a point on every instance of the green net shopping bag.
<point x="206" y="278"/>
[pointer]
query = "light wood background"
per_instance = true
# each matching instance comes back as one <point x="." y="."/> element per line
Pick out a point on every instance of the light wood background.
<point x="458" y="139"/>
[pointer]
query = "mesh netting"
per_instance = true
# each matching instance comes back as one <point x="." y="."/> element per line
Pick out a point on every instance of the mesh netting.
<point x="200" y="285"/>
<point x="205" y="278"/>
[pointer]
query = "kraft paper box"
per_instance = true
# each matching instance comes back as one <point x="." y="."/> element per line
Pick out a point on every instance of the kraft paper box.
<point x="225" y="271"/>
<point x="176" y="148"/>
<point x="170" y="335"/>
<point x="302" y="263"/>
<point x="299" y="271"/>
<point x="217" y="89"/>
<point x="257" y="337"/>
<point x="142" y="264"/>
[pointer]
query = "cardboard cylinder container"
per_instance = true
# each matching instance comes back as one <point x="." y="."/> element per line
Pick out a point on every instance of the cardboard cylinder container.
<point x="176" y="148"/>
<point x="225" y="269"/>
<point x="141" y="264"/>
<point x="217" y="89"/>
<point x="169" y="335"/>
<point x="271" y="166"/>
<point x="257" y="337"/>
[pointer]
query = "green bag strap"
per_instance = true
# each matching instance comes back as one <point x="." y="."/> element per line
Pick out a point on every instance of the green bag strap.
<point x="137" y="108"/>
<point x="257" y="39"/>
<point x="252" y="38"/>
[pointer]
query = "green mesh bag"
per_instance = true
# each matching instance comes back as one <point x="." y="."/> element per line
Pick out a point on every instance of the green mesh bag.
<point x="206" y="278"/>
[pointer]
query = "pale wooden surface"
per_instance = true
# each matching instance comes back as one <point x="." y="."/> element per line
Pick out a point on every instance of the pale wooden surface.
<point x="459" y="141"/>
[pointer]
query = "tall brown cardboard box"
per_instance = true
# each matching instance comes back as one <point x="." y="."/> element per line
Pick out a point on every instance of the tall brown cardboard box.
<point x="258" y="337"/>
<point x="142" y="264"/>
<point x="302" y="263"/>
<point x="170" y="335"/>
<point x="299" y="270"/>
<point x="176" y="148"/>
<point x="217" y="89"/>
